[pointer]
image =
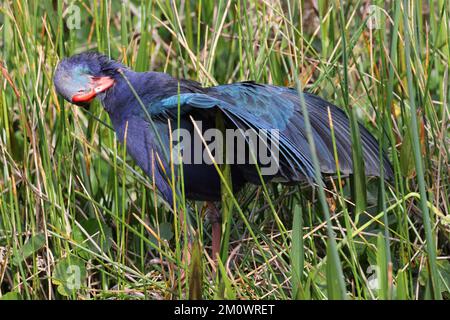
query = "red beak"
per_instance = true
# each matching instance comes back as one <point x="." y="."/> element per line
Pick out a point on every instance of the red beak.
<point x="97" y="85"/>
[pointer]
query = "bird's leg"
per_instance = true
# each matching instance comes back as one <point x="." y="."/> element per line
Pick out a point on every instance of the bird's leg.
<point x="215" y="218"/>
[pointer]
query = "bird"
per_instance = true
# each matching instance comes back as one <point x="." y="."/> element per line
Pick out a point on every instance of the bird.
<point x="145" y="106"/>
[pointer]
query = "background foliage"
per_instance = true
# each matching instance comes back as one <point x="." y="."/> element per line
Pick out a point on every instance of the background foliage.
<point x="79" y="220"/>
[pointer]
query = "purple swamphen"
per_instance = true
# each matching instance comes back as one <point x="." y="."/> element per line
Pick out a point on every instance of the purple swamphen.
<point x="144" y="121"/>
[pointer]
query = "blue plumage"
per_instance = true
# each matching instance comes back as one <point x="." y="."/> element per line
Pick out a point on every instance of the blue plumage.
<point x="245" y="105"/>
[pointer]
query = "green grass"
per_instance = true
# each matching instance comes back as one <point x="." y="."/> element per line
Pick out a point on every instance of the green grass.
<point x="73" y="205"/>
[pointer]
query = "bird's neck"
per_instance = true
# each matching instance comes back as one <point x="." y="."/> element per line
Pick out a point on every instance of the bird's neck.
<point x="131" y="89"/>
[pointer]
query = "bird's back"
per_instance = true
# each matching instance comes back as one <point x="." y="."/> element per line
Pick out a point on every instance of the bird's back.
<point x="279" y="108"/>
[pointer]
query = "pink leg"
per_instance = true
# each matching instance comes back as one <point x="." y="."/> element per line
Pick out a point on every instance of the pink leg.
<point x="215" y="217"/>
